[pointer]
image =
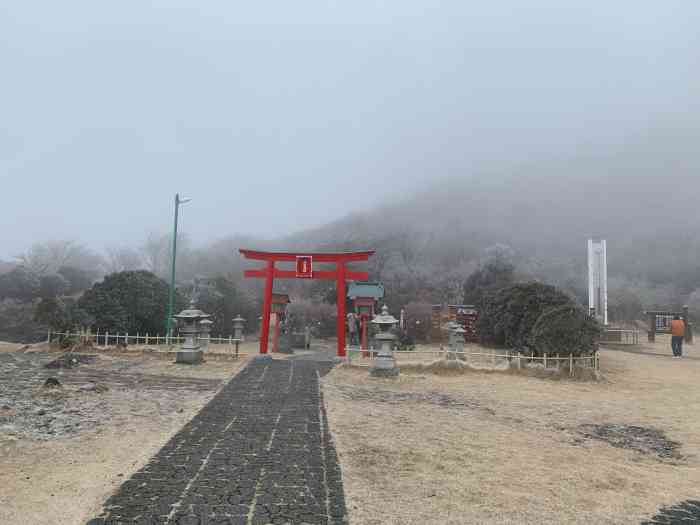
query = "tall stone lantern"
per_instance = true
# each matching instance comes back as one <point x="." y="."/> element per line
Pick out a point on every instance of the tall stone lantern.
<point x="189" y="326"/>
<point x="238" y="324"/>
<point x="451" y="335"/>
<point x="205" y="334"/>
<point x="457" y="333"/>
<point x="385" y="363"/>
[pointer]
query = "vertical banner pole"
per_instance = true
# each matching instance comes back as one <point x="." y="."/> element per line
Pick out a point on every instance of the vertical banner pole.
<point x="267" y="305"/>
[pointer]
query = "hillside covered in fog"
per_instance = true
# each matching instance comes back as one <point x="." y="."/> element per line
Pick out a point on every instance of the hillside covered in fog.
<point x="642" y="197"/>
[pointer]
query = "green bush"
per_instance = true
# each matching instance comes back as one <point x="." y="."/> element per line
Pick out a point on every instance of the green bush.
<point x="63" y="315"/>
<point x="565" y="330"/>
<point x="509" y="315"/>
<point x="493" y="276"/>
<point x="133" y="302"/>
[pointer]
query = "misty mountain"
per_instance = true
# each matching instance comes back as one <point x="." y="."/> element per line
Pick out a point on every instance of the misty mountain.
<point x="642" y="197"/>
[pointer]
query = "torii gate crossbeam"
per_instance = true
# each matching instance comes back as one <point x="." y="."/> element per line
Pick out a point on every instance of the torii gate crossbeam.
<point x="304" y="270"/>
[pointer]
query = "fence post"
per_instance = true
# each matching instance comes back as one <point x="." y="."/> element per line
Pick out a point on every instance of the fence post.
<point x="571" y="364"/>
<point x="48" y="337"/>
<point x="518" y="360"/>
<point x="545" y="360"/>
<point x="126" y="339"/>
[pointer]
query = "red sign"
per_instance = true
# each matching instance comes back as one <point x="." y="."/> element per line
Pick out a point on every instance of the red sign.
<point x="305" y="267"/>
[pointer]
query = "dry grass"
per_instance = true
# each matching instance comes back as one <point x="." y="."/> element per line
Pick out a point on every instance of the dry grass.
<point x="510" y="448"/>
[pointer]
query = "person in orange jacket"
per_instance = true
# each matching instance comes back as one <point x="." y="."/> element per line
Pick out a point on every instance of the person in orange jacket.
<point x="677" y="335"/>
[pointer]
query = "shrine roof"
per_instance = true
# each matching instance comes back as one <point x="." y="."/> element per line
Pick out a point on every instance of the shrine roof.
<point x="374" y="290"/>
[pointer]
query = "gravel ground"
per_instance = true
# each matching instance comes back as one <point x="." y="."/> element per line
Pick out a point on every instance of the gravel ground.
<point x="86" y="397"/>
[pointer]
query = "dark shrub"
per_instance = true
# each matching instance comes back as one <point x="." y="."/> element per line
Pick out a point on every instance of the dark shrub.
<point x="565" y="330"/>
<point x="509" y="315"/>
<point x="130" y="302"/>
<point x="493" y="276"/>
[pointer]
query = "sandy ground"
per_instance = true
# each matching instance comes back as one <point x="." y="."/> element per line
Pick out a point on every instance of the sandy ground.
<point x="65" y="481"/>
<point x="499" y="448"/>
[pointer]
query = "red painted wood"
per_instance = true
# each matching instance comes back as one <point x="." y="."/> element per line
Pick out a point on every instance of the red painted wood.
<point x="267" y="305"/>
<point x="340" y="275"/>
<point x="319" y="257"/>
<point x="305" y="267"/>
<point x="340" y="327"/>
<point x="321" y="274"/>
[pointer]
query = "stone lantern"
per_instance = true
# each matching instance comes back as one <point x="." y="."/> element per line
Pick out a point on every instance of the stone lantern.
<point x="238" y="323"/>
<point x="189" y="326"/>
<point x="452" y="336"/>
<point x="204" y="334"/>
<point x="385" y="363"/>
<point x="457" y="333"/>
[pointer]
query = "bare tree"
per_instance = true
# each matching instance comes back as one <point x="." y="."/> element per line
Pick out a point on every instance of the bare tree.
<point x="156" y="254"/>
<point x="47" y="257"/>
<point x="122" y="259"/>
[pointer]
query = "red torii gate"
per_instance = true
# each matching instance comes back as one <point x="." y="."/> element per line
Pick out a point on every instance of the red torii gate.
<point x="304" y="270"/>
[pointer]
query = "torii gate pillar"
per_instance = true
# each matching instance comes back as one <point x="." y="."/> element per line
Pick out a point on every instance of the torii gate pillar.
<point x="304" y="270"/>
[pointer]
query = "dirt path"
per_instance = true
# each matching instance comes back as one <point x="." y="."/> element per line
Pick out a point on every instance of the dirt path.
<point x="260" y="452"/>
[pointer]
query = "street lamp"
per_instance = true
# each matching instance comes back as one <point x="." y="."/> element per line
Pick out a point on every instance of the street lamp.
<point x="171" y="298"/>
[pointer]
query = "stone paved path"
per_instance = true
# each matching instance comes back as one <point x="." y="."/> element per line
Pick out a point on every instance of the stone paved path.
<point x="258" y="453"/>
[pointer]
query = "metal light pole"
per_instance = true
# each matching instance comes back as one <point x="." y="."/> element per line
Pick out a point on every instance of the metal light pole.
<point x="171" y="298"/>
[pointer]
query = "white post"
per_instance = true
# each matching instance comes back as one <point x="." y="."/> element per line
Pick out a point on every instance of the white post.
<point x="571" y="364"/>
<point x="545" y="360"/>
<point x="48" y="337"/>
<point x="126" y="339"/>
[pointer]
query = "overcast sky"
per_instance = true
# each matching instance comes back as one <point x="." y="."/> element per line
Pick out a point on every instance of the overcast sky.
<point x="277" y="116"/>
